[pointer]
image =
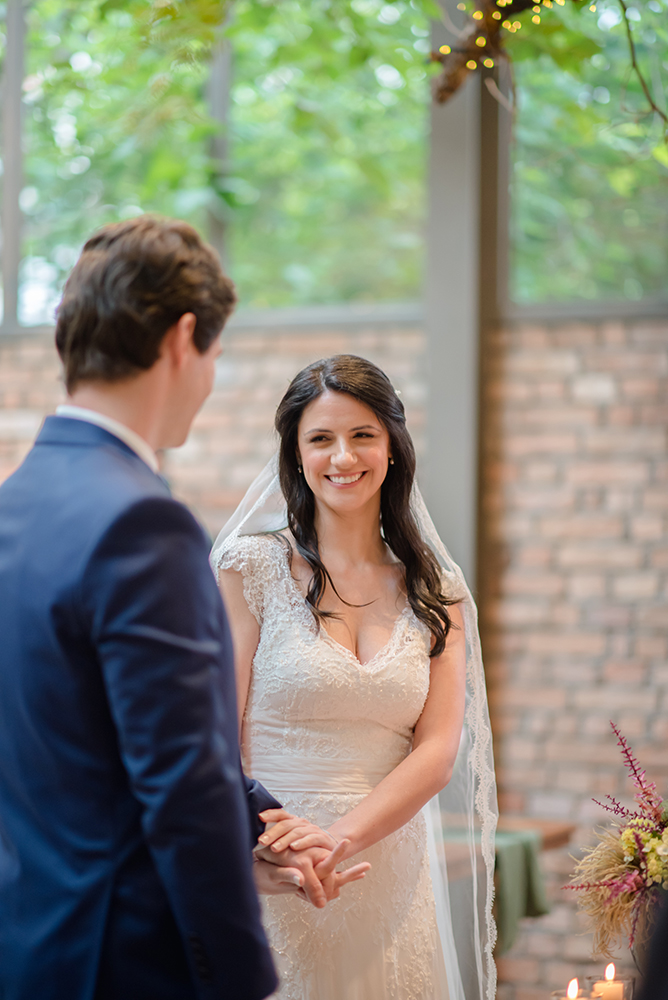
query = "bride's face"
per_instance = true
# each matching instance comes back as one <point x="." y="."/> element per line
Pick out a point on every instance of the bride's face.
<point x="344" y="451"/>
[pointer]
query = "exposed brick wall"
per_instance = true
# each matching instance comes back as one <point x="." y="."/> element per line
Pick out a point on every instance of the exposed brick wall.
<point x="574" y="567"/>
<point x="30" y="387"/>
<point x="574" y="590"/>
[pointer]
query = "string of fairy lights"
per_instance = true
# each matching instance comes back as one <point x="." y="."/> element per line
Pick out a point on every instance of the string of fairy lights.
<point x="482" y="41"/>
<point x="482" y="44"/>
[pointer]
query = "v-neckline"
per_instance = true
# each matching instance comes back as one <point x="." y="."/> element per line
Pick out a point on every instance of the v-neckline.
<point x="339" y="645"/>
<point x="335" y="642"/>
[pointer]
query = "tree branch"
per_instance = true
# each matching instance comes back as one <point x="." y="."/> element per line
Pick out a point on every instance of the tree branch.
<point x="455" y="68"/>
<point x="636" y="67"/>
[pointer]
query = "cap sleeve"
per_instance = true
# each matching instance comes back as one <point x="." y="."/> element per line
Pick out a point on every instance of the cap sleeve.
<point x="253" y="556"/>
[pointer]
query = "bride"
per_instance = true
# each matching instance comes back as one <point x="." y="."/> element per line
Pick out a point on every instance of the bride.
<point x="362" y="698"/>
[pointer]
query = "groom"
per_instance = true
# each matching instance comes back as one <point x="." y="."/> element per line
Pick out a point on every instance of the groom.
<point x="126" y="824"/>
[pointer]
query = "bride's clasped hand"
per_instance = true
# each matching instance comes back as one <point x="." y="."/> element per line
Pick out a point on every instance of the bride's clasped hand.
<point x="295" y="856"/>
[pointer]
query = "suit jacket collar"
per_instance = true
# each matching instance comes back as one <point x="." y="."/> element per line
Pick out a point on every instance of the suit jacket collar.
<point x="122" y="431"/>
<point x="66" y="431"/>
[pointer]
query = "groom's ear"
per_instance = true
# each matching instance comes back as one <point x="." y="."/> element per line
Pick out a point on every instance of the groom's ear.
<point x="178" y="343"/>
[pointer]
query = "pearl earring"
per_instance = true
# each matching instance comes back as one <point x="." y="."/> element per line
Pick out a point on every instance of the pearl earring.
<point x="391" y="461"/>
<point x="299" y="469"/>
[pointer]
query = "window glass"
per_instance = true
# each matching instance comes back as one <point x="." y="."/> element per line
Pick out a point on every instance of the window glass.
<point x="590" y="168"/>
<point x="113" y="127"/>
<point x="328" y="132"/>
<point x="322" y="196"/>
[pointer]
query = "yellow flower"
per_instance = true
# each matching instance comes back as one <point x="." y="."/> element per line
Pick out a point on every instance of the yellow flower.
<point x="654" y="868"/>
<point x="628" y="843"/>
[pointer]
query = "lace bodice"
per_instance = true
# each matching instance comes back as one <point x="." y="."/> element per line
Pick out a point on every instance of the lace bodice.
<point x="310" y="696"/>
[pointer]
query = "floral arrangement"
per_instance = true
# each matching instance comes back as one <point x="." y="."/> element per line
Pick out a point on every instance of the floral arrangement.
<point x="618" y="877"/>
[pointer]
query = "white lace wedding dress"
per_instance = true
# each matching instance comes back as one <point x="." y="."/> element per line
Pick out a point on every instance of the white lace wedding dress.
<point x="320" y="731"/>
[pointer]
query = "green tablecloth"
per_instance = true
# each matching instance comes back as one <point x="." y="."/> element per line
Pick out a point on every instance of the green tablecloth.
<point x="520" y="890"/>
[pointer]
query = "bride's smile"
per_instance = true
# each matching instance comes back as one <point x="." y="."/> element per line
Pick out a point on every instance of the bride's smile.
<point x="345" y="480"/>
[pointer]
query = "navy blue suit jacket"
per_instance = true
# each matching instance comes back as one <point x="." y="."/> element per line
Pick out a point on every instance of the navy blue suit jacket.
<point x="654" y="984"/>
<point x="126" y="823"/>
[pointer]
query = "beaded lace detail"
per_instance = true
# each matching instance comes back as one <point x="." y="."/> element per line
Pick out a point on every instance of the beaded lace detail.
<point x="313" y="703"/>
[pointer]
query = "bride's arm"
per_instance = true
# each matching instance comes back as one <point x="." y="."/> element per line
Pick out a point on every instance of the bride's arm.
<point x="426" y="770"/>
<point x="245" y="633"/>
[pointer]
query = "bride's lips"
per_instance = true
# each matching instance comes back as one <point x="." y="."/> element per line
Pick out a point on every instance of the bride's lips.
<point x="343" y="481"/>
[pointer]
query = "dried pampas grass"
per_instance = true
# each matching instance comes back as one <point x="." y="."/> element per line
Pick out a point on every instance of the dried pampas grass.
<point x="595" y="874"/>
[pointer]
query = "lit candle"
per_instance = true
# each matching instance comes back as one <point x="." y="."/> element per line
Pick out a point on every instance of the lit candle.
<point x="572" y="993"/>
<point x="609" y="988"/>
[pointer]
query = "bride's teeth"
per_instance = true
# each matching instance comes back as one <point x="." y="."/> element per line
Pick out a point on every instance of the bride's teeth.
<point x="344" y="480"/>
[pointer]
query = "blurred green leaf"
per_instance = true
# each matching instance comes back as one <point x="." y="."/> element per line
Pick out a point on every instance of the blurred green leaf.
<point x="660" y="153"/>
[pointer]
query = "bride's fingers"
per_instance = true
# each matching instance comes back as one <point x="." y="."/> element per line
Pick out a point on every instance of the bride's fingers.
<point x="286" y="839"/>
<point x="314" y="890"/>
<point x="302" y="838"/>
<point x="299" y="841"/>
<point x="353" y="874"/>
<point x="282" y="834"/>
<point x="328" y="864"/>
<point x="331" y="887"/>
<point x="276" y="830"/>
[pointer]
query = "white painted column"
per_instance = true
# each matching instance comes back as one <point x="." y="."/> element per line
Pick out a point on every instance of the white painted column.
<point x="452" y="315"/>
<point x="467" y="243"/>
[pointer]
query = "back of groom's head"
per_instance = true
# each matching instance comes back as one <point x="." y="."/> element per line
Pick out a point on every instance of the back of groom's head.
<point x="132" y="282"/>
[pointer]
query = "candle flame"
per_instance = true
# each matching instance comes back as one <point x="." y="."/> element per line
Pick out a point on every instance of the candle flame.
<point x="610" y="971"/>
<point x="572" y="991"/>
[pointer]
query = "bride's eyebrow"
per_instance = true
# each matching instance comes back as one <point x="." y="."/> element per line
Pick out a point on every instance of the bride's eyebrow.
<point x="325" y="430"/>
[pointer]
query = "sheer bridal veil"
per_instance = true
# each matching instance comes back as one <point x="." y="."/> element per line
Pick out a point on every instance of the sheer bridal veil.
<point x="461" y="820"/>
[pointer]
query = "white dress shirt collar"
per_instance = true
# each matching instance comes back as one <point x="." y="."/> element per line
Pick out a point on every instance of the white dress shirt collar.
<point x="119" y="430"/>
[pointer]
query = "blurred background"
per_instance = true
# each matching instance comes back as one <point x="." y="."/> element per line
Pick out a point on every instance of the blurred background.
<point x="504" y="258"/>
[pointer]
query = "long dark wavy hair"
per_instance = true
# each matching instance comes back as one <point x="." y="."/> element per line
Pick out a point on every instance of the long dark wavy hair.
<point x="369" y="385"/>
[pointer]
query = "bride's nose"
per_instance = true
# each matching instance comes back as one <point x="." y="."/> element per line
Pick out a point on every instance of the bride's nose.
<point x="343" y="455"/>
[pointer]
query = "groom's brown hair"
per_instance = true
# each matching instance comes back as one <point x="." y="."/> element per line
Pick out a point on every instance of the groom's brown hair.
<point x="132" y="282"/>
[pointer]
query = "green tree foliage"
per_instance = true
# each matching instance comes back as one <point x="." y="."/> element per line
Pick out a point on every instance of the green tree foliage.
<point x="328" y="129"/>
<point x="117" y="124"/>
<point x="322" y="192"/>
<point x="590" y="165"/>
<point x="321" y="189"/>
